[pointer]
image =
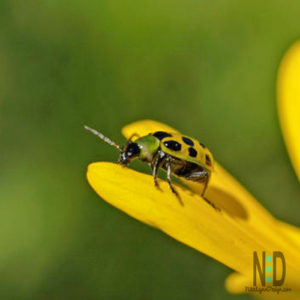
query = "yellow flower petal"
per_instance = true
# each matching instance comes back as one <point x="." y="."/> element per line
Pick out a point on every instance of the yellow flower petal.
<point x="195" y="223"/>
<point x="228" y="194"/>
<point x="292" y="231"/>
<point x="289" y="103"/>
<point x="229" y="236"/>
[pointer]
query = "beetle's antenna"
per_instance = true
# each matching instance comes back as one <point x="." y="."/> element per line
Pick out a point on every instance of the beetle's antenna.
<point x="102" y="137"/>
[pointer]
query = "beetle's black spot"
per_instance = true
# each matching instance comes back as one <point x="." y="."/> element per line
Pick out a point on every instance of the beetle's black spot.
<point x="208" y="160"/>
<point x="188" y="141"/>
<point x="202" y="145"/>
<point x="173" y="145"/>
<point x="192" y="152"/>
<point x="161" y="134"/>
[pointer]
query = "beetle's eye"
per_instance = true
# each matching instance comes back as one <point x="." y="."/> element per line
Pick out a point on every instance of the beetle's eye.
<point x="133" y="150"/>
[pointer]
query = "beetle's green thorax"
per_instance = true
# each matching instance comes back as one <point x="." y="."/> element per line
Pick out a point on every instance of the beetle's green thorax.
<point x="149" y="145"/>
<point x="142" y="148"/>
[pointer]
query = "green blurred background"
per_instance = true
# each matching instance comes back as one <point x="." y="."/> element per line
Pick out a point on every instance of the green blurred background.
<point x="207" y="68"/>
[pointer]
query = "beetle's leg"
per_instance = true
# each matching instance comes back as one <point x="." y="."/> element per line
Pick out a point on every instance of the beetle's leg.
<point x="204" y="190"/>
<point x="157" y="161"/>
<point x="169" y="171"/>
<point x="211" y="204"/>
<point x="155" y="167"/>
<point x="207" y="177"/>
<point x="202" y="176"/>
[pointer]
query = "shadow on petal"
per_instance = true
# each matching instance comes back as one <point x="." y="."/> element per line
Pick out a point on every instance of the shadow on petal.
<point x="229" y="203"/>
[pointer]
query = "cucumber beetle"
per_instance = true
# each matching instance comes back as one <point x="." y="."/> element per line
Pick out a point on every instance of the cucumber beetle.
<point x="177" y="154"/>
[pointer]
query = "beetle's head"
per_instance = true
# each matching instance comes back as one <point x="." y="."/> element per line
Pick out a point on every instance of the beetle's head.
<point x="129" y="152"/>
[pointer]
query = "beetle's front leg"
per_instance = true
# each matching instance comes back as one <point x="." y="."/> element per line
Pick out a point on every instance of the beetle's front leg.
<point x="169" y="172"/>
<point x="155" y="167"/>
<point x="155" y="164"/>
<point x="157" y="161"/>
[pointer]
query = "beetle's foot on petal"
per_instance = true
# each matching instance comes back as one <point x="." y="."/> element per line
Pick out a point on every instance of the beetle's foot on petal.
<point x="212" y="204"/>
<point x="176" y="194"/>
<point x="156" y="184"/>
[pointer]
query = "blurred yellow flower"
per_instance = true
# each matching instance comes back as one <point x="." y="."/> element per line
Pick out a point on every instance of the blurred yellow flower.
<point x="241" y="227"/>
<point x="288" y="89"/>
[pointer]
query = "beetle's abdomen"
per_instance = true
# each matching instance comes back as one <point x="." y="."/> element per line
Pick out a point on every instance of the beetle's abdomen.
<point x="185" y="169"/>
